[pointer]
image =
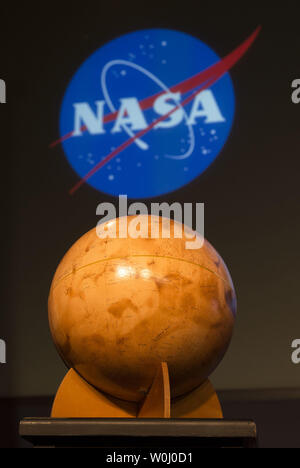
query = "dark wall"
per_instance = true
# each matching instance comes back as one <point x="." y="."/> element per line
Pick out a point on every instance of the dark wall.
<point x="251" y="191"/>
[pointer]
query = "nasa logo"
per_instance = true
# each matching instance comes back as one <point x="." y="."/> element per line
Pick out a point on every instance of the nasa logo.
<point x="148" y="112"/>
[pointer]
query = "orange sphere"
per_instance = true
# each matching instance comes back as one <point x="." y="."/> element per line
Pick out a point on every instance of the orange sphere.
<point x="120" y="306"/>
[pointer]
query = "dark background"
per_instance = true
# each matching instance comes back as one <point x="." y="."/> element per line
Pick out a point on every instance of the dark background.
<point x="251" y="192"/>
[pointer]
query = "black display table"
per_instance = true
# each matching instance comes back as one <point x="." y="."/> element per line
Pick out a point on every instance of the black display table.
<point x="140" y="434"/>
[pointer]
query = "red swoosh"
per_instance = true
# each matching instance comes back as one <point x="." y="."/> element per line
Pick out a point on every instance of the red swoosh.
<point x="208" y="77"/>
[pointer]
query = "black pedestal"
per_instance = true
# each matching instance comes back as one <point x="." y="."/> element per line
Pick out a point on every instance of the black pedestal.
<point x="119" y="436"/>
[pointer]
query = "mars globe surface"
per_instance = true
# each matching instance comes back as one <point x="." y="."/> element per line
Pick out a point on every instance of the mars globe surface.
<point x="118" y="307"/>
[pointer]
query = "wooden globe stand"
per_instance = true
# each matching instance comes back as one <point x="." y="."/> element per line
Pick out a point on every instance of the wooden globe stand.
<point x="75" y="398"/>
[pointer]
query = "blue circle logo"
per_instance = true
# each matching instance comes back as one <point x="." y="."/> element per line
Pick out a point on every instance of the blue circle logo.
<point x="147" y="113"/>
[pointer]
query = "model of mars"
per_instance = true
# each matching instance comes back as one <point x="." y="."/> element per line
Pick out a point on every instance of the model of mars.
<point x="118" y="307"/>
